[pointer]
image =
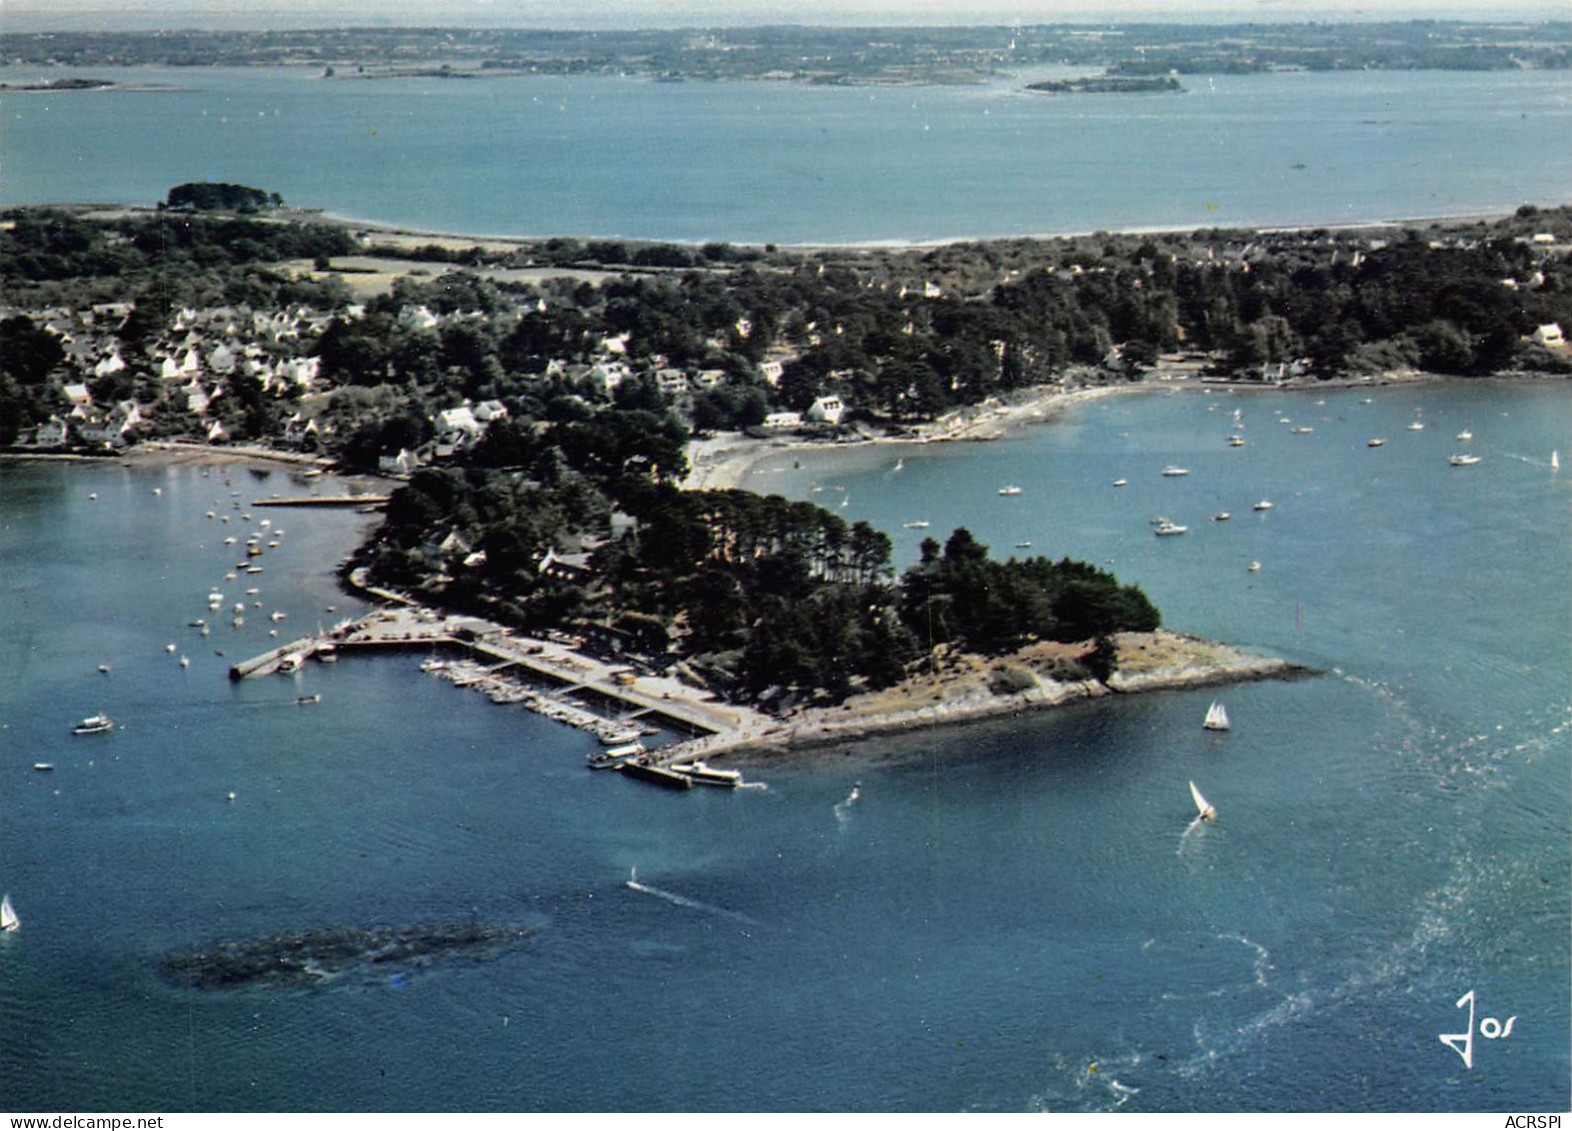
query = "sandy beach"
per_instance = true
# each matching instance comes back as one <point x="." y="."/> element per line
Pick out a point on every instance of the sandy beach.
<point x="729" y="460"/>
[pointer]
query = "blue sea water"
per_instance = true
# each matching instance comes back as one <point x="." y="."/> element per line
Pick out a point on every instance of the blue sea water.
<point x="1015" y="915"/>
<point x="788" y="163"/>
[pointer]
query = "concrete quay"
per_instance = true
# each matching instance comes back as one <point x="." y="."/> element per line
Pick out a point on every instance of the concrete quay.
<point x="553" y="663"/>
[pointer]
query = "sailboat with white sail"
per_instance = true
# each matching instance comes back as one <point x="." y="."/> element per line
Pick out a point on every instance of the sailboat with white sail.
<point x="1203" y="807"/>
<point x="1216" y="717"/>
<point x="1555" y="460"/>
<point x="8" y="919"/>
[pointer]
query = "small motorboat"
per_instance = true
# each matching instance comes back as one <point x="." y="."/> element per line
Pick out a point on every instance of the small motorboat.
<point x="94" y="724"/>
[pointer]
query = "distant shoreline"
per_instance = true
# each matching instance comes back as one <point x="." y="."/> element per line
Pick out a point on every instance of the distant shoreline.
<point x="414" y="236"/>
<point x="404" y="231"/>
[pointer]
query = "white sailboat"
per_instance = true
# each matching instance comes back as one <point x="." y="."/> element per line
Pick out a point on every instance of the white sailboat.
<point x="1555" y="461"/>
<point x="1216" y="717"/>
<point x="8" y="919"/>
<point x="1203" y="806"/>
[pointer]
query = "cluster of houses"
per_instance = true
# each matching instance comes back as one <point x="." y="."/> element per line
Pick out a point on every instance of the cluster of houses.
<point x="194" y="359"/>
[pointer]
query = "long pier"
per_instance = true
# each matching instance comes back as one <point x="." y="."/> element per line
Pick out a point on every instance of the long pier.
<point x="411" y="628"/>
<point x="325" y="501"/>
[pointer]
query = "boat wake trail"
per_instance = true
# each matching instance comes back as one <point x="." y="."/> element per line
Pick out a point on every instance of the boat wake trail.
<point x="843" y="808"/>
<point x="677" y="900"/>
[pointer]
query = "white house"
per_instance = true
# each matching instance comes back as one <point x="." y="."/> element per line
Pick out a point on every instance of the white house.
<point x="417" y="318"/>
<point x="78" y="395"/>
<point x="297" y="428"/>
<point x="51" y="433"/>
<point x="611" y="373"/>
<point x="461" y="419"/>
<point x="826" y="410"/>
<point x="222" y="359"/>
<point x="403" y="463"/>
<point x="302" y="371"/>
<point x="783" y="420"/>
<point x="110" y="428"/>
<point x="1550" y="335"/>
<point x="197" y="399"/>
<point x="772" y="370"/>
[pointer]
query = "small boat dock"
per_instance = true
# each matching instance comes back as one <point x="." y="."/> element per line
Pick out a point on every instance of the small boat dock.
<point x="500" y="655"/>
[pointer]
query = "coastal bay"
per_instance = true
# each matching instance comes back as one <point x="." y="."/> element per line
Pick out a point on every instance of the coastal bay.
<point x="1022" y="913"/>
<point x="1320" y="787"/>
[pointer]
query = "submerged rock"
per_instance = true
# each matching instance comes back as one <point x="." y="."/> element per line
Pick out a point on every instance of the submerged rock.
<point x="305" y="958"/>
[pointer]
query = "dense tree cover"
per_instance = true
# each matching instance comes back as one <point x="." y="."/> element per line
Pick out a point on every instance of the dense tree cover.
<point x="220" y="196"/>
<point x="27" y="356"/>
<point x="185" y="259"/>
<point x="963" y="598"/>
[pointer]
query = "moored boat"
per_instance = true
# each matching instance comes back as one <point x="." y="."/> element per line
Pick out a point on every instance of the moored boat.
<point x="656" y="775"/>
<point x="1174" y="472"/>
<point x="1168" y="529"/>
<point x="708" y="775"/>
<point x="1010" y="490"/>
<point x="1463" y="460"/>
<point x="94" y="724"/>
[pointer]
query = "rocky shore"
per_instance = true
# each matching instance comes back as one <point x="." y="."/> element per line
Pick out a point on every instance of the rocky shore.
<point x="963" y="688"/>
